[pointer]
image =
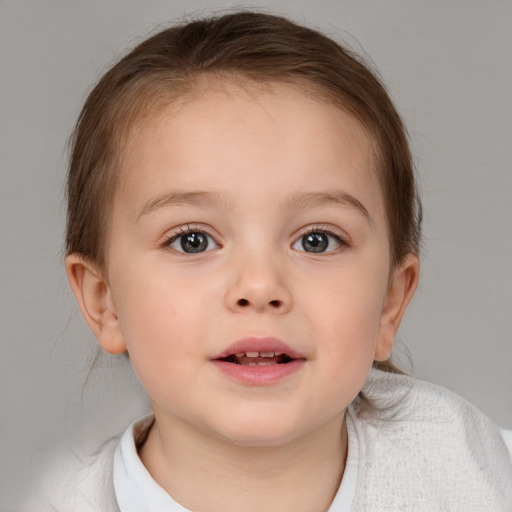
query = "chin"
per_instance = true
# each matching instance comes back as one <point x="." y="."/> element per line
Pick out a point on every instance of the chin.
<point x="252" y="432"/>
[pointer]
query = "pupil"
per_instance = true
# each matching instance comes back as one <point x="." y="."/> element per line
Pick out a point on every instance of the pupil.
<point x="194" y="242"/>
<point x="315" y="242"/>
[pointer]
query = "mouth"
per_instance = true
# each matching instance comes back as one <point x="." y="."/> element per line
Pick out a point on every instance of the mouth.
<point x="258" y="358"/>
<point x="258" y="351"/>
<point x="259" y="361"/>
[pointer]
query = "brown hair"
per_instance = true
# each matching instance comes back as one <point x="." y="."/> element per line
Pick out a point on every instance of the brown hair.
<point x="259" y="48"/>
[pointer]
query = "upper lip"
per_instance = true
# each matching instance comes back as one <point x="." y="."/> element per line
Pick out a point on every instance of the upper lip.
<point x="259" y="344"/>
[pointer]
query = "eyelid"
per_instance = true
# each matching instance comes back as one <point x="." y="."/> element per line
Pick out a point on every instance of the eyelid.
<point x="328" y="229"/>
<point x="179" y="231"/>
<point x="323" y="228"/>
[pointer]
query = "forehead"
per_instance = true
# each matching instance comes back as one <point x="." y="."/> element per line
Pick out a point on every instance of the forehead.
<point x="213" y="136"/>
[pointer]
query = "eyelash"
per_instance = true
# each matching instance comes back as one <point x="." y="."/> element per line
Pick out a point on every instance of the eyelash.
<point x="183" y="231"/>
<point x="338" y="237"/>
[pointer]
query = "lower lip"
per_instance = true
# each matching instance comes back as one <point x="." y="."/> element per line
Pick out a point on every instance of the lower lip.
<point x="259" y="375"/>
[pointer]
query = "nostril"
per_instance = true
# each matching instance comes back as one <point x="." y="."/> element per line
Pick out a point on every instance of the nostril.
<point x="274" y="304"/>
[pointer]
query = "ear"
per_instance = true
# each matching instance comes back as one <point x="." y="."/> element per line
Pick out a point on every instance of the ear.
<point x="402" y="285"/>
<point x="96" y="303"/>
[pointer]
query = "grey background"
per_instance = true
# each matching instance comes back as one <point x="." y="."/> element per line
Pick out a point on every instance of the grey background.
<point x="448" y="65"/>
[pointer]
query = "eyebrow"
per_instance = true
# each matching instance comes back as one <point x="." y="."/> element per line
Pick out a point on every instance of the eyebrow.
<point x="217" y="198"/>
<point x="194" y="198"/>
<point x="327" y="198"/>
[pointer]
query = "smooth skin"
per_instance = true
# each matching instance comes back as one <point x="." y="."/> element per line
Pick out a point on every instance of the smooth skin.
<point x="252" y="173"/>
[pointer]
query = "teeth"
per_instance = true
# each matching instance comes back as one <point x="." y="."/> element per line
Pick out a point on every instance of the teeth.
<point x="257" y="354"/>
<point x="278" y="354"/>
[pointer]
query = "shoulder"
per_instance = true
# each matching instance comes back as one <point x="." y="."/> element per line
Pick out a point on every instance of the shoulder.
<point x="75" y="481"/>
<point x="431" y="447"/>
<point x="413" y="400"/>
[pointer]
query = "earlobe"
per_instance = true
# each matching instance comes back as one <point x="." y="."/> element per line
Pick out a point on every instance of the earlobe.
<point x="96" y="303"/>
<point x="401" y="288"/>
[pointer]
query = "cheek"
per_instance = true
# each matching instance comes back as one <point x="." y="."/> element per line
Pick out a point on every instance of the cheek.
<point x="345" y="312"/>
<point x="164" y="345"/>
<point x="150" y="297"/>
<point x="159" y="321"/>
<point x="347" y="327"/>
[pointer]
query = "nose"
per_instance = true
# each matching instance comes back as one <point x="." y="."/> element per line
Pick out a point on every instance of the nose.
<point x="258" y="285"/>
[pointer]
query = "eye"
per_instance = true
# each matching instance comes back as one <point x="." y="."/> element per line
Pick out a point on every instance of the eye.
<point x="192" y="242"/>
<point x="318" y="241"/>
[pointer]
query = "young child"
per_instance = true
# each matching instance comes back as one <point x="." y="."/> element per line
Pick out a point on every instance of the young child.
<point x="243" y="222"/>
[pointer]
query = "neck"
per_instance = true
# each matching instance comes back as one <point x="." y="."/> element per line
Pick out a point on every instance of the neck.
<point x="210" y="474"/>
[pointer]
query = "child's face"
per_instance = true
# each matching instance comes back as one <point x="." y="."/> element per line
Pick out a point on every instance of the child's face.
<point x="254" y="219"/>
